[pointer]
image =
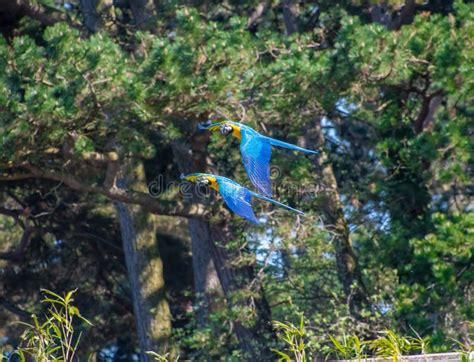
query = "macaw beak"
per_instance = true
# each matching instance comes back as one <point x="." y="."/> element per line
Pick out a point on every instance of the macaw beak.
<point x="208" y="126"/>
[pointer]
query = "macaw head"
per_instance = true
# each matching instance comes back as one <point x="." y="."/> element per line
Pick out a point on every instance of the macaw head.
<point x="226" y="128"/>
<point x="202" y="179"/>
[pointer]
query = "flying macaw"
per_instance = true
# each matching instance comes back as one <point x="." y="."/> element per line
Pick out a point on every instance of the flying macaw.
<point x="255" y="149"/>
<point x="237" y="197"/>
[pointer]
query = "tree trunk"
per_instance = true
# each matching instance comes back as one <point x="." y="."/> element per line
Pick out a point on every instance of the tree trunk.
<point x="253" y="340"/>
<point x="12" y="11"/>
<point x="346" y="261"/>
<point x="206" y="280"/>
<point x="144" y="265"/>
<point x="143" y="12"/>
<point x="90" y="15"/>
<point x="257" y="14"/>
<point x="214" y="279"/>
<point x="290" y="16"/>
<point x="207" y="285"/>
<point x="393" y="19"/>
<point x="98" y="14"/>
<point x="214" y="275"/>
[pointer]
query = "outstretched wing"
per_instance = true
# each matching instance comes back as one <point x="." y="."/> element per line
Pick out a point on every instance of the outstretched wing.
<point x="238" y="198"/>
<point x="256" y="152"/>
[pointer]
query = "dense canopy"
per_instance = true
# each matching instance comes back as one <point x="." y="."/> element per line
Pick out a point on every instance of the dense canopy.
<point x="99" y="103"/>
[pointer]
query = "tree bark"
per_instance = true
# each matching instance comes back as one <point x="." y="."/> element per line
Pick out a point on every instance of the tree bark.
<point x="290" y="16"/>
<point x="207" y="285"/>
<point x="214" y="275"/>
<point x="90" y="15"/>
<point x="257" y="14"/>
<point x="145" y="267"/>
<point x="206" y="280"/>
<point x="143" y="12"/>
<point x="128" y="196"/>
<point x="346" y="260"/>
<point x="253" y="340"/>
<point x="97" y="13"/>
<point x="394" y="19"/>
<point x="11" y="12"/>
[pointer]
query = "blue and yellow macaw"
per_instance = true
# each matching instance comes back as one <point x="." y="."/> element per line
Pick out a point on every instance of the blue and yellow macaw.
<point x="255" y="149"/>
<point x="236" y="197"/>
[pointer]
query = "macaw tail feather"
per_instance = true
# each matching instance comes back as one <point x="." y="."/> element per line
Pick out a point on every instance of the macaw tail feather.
<point x="275" y="142"/>
<point x="261" y="197"/>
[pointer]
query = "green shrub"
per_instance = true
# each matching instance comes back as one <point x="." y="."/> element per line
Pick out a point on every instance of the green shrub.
<point x="294" y="338"/>
<point x="55" y="338"/>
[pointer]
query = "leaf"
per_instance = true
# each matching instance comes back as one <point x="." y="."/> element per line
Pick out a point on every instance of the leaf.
<point x="46" y="291"/>
<point x="49" y="300"/>
<point x="83" y="144"/>
<point x="157" y="356"/>
<point x="73" y="310"/>
<point x="85" y="320"/>
<point x="69" y="295"/>
<point x="57" y="330"/>
<point x="285" y="357"/>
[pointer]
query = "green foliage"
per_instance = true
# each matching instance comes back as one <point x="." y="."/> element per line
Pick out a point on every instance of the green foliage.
<point x="159" y="357"/>
<point x="405" y="186"/>
<point x="392" y="345"/>
<point x="389" y="344"/>
<point x="54" y="339"/>
<point x="447" y="253"/>
<point x="294" y="339"/>
<point x="465" y="349"/>
<point x="214" y="339"/>
<point x="349" y="347"/>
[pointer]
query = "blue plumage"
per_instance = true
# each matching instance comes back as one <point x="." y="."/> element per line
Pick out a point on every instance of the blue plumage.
<point x="255" y="149"/>
<point x="237" y="197"/>
<point x="256" y="153"/>
<point x="278" y="143"/>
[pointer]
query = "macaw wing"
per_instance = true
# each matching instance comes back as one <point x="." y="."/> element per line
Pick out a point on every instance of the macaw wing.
<point x="238" y="200"/>
<point x="256" y="152"/>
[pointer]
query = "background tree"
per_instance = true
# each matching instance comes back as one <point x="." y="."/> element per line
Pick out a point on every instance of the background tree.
<point x="99" y="103"/>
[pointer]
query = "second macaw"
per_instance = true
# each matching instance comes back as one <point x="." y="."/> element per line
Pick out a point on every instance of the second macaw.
<point x="237" y="197"/>
<point x="255" y="149"/>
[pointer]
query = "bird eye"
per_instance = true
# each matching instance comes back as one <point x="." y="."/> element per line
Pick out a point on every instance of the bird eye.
<point x="203" y="181"/>
<point x="225" y="129"/>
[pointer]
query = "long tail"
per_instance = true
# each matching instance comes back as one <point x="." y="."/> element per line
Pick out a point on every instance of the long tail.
<point x="275" y="142"/>
<point x="261" y="197"/>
